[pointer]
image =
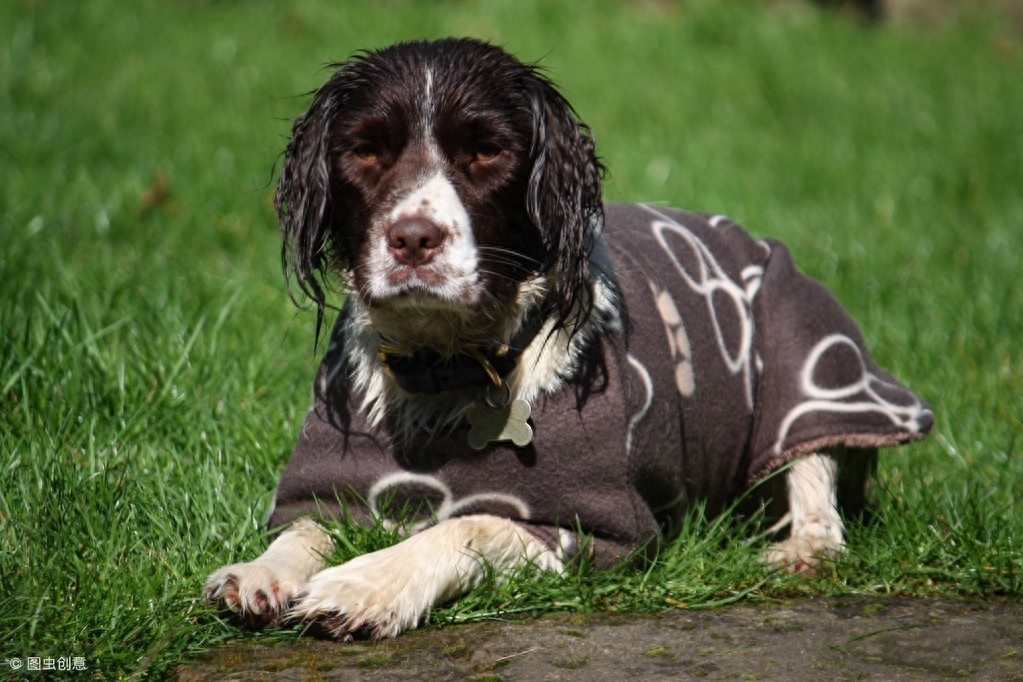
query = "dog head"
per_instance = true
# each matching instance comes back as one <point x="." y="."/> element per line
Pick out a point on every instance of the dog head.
<point x="440" y="179"/>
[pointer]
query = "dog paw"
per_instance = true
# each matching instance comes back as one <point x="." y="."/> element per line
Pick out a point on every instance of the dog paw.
<point x="374" y="596"/>
<point x="254" y="595"/>
<point x="804" y="551"/>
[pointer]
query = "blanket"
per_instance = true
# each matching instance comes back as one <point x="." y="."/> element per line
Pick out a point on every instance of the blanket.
<point x="732" y="364"/>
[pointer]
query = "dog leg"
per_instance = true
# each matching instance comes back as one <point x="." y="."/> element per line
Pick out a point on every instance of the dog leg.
<point x="384" y="593"/>
<point x="816" y="529"/>
<point x="259" y="592"/>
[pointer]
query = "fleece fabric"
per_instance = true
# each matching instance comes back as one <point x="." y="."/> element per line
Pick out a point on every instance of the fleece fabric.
<point x="733" y="363"/>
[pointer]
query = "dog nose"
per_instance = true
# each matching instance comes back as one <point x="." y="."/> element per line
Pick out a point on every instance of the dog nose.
<point x="414" y="241"/>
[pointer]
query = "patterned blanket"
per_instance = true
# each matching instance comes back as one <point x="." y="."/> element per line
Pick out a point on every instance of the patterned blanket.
<point x="733" y="364"/>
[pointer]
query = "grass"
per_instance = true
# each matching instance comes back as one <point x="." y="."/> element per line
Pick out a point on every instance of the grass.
<point x="153" y="372"/>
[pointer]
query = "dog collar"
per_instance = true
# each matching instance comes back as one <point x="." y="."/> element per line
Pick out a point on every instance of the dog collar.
<point x="498" y="418"/>
<point x="429" y="373"/>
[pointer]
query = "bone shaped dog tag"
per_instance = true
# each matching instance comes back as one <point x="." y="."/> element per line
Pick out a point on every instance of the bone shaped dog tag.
<point x="499" y="424"/>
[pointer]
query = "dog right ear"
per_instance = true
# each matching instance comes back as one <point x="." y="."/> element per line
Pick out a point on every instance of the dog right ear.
<point x="303" y="196"/>
<point x="564" y="196"/>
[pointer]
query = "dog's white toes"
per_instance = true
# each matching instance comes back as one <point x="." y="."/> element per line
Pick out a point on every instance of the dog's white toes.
<point x="343" y="628"/>
<point x="361" y="599"/>
<point x="254" y="595"/>
<point x="795" y="555"/>
<point x="803" y="552"/>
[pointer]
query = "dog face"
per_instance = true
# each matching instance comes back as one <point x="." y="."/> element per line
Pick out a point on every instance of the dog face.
<point x="426" y="174"/>
<point x="440" y="176"/>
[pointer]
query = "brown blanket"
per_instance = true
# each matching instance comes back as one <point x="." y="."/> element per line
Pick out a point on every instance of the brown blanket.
<point x="734" y="363"/>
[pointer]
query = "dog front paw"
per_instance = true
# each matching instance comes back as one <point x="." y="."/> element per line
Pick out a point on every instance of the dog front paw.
<point x="371" y="597"/>
<point x="254" y="595"/>
<point x="805" y="550"/>
<point x="387" y="592"/>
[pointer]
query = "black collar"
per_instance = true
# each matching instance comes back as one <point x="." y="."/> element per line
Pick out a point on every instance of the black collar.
<point x="428" y="372"/>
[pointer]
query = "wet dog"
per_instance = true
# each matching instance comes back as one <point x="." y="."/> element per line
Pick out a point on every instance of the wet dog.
<point x="523" y="375"/>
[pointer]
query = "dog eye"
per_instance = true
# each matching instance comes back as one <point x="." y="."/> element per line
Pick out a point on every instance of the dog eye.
<point x="486" y="152"/>
<point x="366" y="154"/>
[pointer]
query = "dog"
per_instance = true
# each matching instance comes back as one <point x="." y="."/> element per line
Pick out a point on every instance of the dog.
<point x="521" y="375"/>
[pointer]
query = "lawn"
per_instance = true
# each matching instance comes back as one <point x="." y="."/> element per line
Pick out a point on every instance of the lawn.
<point x="154" y="372"/>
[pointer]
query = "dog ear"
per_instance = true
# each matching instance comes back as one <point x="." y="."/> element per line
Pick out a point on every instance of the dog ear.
<point x="303" y="196"/>
<point x="564" y="198"/>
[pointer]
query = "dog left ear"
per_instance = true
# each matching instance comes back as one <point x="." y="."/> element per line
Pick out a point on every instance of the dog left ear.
<point x="564" y="197"/>
<point x="303" y="198"/>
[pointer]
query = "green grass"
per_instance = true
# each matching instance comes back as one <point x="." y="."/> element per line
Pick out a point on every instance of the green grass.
<point x="153" y="372"/>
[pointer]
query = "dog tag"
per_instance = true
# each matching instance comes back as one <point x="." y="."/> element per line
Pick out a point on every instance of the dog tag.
<point x="499" y="424"/>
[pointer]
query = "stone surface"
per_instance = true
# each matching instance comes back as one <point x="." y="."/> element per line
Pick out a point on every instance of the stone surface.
<point x="846" y="638"/>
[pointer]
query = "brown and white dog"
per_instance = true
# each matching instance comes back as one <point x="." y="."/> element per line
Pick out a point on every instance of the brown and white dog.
<point x="523" y="375"/>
